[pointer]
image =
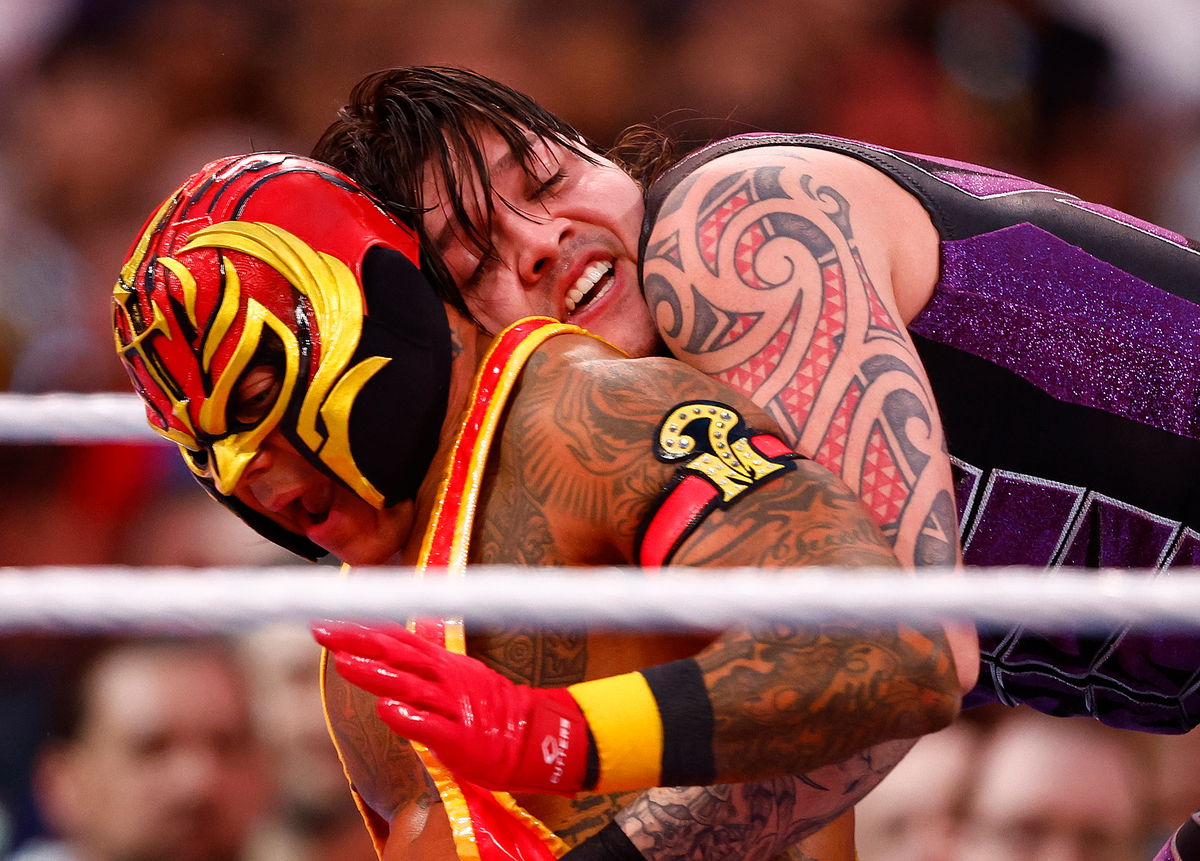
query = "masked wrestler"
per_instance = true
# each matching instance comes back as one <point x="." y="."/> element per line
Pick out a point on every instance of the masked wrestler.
<point x="279" y="329"/>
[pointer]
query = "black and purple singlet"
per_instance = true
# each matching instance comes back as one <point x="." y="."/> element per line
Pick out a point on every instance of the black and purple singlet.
<point x="1062" y="342"/>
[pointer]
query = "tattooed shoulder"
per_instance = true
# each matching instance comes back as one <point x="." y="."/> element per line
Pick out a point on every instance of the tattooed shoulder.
<point x="576" y="469"/>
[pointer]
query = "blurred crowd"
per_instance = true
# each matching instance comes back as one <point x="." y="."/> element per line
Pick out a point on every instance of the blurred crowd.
<point x="1016" y="785"/>
<point x="109" y="104"/>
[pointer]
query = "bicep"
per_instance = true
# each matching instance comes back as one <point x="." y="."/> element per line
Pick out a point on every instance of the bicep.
<point x="771" y="274"/>
<point x="827" y="687"/>
<point x="804" y="516"/>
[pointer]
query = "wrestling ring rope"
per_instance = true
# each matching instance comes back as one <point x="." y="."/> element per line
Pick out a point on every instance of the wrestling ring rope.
<point x="98" y="598"/>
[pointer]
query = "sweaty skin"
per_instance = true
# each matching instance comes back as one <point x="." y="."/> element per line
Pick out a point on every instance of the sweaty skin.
<point x="569" y="483"/>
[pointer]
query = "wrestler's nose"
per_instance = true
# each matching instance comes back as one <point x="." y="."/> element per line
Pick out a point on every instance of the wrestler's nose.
<point x="539" y="242"/>
<point x="274" y="478"/>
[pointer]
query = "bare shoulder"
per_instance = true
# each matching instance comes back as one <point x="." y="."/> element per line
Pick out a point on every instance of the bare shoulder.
<point x="581" y="467"/>
<point x="578" y="380"/>
<point x="575" y="469"/>
<point x="717" y="223"/>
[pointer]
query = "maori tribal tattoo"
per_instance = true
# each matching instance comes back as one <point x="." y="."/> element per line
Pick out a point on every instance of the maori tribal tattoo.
<point x="763" y="284"/>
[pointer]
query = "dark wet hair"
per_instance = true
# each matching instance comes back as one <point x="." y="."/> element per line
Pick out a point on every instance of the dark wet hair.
<point x="399" y="121"/>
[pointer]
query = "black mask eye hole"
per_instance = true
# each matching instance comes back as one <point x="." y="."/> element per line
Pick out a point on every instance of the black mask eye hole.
<point x="258" y="388"/>
<point x="198" y="457"/>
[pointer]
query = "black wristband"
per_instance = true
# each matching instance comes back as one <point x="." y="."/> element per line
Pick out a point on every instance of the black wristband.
<point x="687" y="721"/>
<point x="607" y="844"/>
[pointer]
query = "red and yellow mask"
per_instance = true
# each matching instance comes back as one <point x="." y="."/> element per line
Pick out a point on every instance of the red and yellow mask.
<point x="279" y="260"/>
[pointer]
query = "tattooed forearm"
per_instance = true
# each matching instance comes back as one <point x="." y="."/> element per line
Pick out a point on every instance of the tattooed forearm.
<point x="383" y="767"/>
<point x="787" y="699"/>
<point x="791" y="699"/>
<point x="751" y="821"/>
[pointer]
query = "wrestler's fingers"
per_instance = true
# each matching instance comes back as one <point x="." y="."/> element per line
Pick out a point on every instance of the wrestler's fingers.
<point x="385" y="626"/>
<point x="385" y="680"/>
<point x="388" y="642"/>
<point x="349" y="637"/>
<point x="416" y="724"/>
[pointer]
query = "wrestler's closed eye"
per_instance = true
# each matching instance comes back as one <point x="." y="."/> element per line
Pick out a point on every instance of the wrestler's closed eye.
<point x="547" y="186"/>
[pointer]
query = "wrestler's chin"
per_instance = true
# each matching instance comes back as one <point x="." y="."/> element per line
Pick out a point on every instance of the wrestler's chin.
<point x="358" y="534"/>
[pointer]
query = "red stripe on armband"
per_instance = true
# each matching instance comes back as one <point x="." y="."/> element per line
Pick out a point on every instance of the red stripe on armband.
<point x="772" y="446"/>
<point x="679" y="512"/>
<point x="719" y="459"/>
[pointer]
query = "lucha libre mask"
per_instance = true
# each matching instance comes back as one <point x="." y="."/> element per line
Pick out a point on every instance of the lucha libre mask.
<point x="278" y="260"/>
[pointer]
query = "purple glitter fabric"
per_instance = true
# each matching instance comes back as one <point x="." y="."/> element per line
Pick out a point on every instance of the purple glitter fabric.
<point x="1128" y="678"/>
<point x="1187" y="551"/>
<point x="1039" y="511"/>
<point x="1078" y="328"/>
<point x="974" y="179"/>
<point x="1128" y="537"/>
<point x="979" y="181"/>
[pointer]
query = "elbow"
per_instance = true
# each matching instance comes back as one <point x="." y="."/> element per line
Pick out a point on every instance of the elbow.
<point x="940" y="699"/>
<point x="936" y="706"/>
<point x="950" y="677"/>
<point x="946" y="708"/>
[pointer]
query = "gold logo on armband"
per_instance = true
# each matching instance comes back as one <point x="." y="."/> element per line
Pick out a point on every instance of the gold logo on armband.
<point x="715" y="443"/>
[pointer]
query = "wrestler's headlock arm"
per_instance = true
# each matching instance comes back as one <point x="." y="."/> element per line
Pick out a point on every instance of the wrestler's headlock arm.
<point x="576" y="460"/>
<point x="791" y="274"/>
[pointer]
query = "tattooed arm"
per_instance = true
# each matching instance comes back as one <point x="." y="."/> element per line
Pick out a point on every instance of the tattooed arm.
<point x="789" y="275"/>
<point x="400" y="804"/>
<point x="752" y="821"/>
<point x="786" y="699"/>
<point x="746" y="821"/>
<point x="575" y="478"/>
<point x="779" y="270"/>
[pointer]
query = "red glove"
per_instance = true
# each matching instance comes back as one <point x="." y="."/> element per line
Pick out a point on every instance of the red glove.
<point x="483" y="727"/>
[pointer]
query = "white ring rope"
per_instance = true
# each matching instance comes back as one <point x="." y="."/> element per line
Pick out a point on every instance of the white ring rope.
<point x="108" y="597"/>
<point x="104" y="598"/>
<point x="61" y="417"/>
